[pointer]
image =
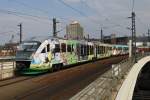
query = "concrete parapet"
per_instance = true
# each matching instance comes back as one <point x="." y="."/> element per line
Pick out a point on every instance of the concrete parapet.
<point x="127" y="88"/>
<point x="106" y="87"/>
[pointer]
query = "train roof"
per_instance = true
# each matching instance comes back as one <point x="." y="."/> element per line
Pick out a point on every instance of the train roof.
<point x="43" y="38"/>
<point x="120" y="45"/>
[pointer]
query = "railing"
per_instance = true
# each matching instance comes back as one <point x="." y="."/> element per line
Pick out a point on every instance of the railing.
<point x="107" y="86"/>
<point x="7" y="66"/>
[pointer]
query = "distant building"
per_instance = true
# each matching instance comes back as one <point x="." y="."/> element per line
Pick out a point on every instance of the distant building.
<point x="116" y="40"/>
<point x="74" y="31"/>
<point x="9" y="49"/>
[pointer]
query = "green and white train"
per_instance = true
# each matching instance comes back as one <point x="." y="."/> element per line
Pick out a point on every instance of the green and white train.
<point x="39" y="56"/>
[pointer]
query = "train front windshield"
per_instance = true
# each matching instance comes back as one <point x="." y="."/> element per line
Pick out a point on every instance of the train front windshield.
<point x="26" y="49"/>
<point x="28" y="46"/>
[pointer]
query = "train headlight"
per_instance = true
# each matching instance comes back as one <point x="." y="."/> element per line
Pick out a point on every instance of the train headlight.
<point x="19" y="48"/>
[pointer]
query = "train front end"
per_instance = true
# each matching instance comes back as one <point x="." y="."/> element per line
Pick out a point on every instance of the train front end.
<point x="24" y="55"/>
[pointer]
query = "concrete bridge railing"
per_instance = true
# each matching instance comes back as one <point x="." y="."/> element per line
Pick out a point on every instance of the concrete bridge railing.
<point x="7" y="67"/>
<point x="107" y="86"/>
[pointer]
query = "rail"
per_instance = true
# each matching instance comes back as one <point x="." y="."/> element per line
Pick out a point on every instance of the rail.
<point x="107" y="85"/>
<point x="7" y="66"/>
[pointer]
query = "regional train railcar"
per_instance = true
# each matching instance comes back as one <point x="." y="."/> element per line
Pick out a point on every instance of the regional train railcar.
<point x="143" y="49"/>
<point x="107" y="50"/>
<point x="35" y="57"/>
<point x="102" y="50"/>
<point x="120" y="49"/>
<point x="38" y="58"/>
<point x="85" y="51"/>
<point x="52" y="53"/>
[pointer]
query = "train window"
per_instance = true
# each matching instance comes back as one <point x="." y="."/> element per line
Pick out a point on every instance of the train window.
<point x="103" y="49"/>
<point x="78" y="49"/>
<point x="63" y="47"/>
<point x="72" y="48"/>
<point x="48" y="47"/>
<point x="44" y="50"/>
<point x="92" y="51"/>
<point x="87" y="49"/>
<point x="82" y="52"/>
<point x="57" y="48"/>
<point x="98" y="49"/>
<point x="69" y="48"/>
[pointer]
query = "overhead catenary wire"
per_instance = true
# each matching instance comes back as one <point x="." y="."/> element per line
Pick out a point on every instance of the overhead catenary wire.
<point x="78" y="11"/>
<point x="7" y="32"/>
<point x="36" y="9"/>
<point x="140" y="21"/>
<point x="20" y="13"/>
<point x="28" y="6"/>
<point x="107" y="16"/>
<point x="27" y="16"/>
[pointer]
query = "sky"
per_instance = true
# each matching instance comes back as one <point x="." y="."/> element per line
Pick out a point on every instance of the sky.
<point x="36" y="17"/>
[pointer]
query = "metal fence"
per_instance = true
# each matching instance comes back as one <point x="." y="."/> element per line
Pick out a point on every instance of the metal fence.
<point x="107" y="85"/>
<point x="7" y="66"/>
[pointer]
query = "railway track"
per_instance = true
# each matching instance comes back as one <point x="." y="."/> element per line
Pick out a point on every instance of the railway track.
<point x="60" y="85"/>
<point x="55" y="95"/>
<point x="14" y="80"/>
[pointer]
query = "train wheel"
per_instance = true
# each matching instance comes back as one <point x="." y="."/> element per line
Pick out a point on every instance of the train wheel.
<point x="52" y="69"/>
<point x="61" y="66"/>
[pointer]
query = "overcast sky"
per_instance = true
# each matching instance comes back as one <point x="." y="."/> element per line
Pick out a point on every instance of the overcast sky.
<point x="36" y="17"/>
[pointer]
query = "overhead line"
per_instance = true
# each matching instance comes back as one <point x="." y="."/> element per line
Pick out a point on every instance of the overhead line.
<point x="6" y="33"/>
<point x="20" y="13"/>
<point x="107" y="18"/>
<point x="81" y="13"/>
<point x="78" y="11"/>
<point x="28" y="6"/>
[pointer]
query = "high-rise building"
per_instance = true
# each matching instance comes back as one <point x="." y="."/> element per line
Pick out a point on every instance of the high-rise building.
<point x="74" y="31"/>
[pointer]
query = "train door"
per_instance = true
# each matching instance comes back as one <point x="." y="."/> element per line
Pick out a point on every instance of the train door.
<point x="74" y="52"/>
<point x="78" y="50"/>
<point x="42" y="55"/>
<point x="56" y="52"/>
<point x="95" y="51"/>
<point x="63" y="53"/>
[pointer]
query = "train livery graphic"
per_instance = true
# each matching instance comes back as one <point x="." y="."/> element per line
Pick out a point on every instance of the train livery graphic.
<point x="34" y="57"/>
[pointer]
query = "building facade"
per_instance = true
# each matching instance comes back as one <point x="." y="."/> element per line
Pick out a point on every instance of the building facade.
<point x="9" y="49"/>
<point x="74" y="31"/>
